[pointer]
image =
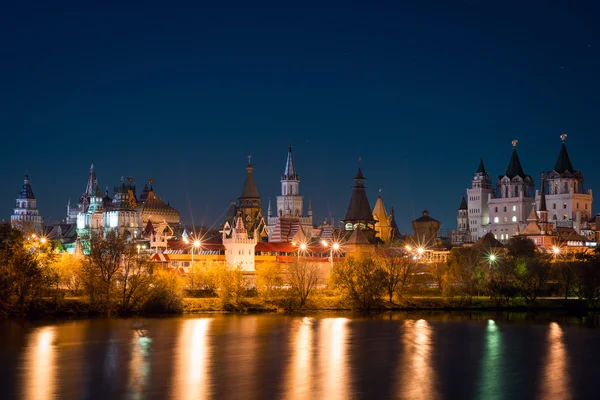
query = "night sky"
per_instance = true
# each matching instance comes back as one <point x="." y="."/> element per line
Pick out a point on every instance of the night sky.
<point x="183" y="93"/>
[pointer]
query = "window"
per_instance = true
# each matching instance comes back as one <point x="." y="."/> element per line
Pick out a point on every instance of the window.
<point x="578" y="206"/>
<point x="586" y="206"/>
<point x="504" y="208"/>
<point x="496" y="209"/>
<point x="505" y="219"/>
<point x="514" y="219"/>
<point x="565" y="217"/>
<point x="496" y="220"/>
<point x="565" y="206"/>
<point x="554" y="206"/>
<point x="514" y="208"/>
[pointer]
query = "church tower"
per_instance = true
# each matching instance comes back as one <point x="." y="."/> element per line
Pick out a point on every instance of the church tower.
<point x="569" y="204"/>
<point x="84" y="199"/>
<point x="477" y="203"/>
<point x="289" y="218"/>
<point x="513" y="201"/>
<point x="25" y="214"/>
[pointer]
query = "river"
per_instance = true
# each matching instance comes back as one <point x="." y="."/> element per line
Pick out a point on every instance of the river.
<point x="314" y="356"/>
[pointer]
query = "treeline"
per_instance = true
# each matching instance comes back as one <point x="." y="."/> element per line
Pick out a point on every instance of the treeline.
<point x="115" y="278"/>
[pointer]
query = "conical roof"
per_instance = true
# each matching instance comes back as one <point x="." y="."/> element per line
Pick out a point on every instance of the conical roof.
<point x="249" y="191"/>
<point x="393" y="223"/>
<point x="289" y="174"/>
<point x="89" y="188"/>
<point x="26" y="191"/>
<point x="481" y="168"/>
<point x="488" y="241"/>
<point x="379" y="211"/>
<point x="543" y="197"/>
<point x="514" y="166"/>
<point x="357" y="238"/>
<point x="563" y="162"/>
<point x="359" y="209"/>
<point x="463" y="204"/>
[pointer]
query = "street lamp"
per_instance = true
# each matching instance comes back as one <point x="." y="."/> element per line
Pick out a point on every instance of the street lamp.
<point x="195" y="245"/>
<point x="334" y="247"/>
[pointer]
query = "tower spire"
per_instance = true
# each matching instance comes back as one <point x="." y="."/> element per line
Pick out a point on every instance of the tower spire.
<point x="563" y="162"/>
<point x="514" y="166"/>
<point x="290" y="169"/>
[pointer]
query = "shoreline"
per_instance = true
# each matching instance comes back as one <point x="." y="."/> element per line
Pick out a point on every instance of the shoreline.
<point x="79" y="308"/>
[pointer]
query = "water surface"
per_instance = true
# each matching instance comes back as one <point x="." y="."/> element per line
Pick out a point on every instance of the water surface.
<point x="320" y="356"/>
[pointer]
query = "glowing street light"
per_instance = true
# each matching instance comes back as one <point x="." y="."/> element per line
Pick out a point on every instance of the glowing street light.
<point x="43" y="240"/>
<point x="196" y="244"/>
<point x="556" y="250"/>
<point x="420" y="250"/>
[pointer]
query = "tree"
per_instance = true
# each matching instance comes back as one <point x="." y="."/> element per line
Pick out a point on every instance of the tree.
<point x="301" y="278"/>
<point x="520" y="247"/>
<point x="269" y="280"/>
<point x="68" y="267"/>
<point x="467" y="267"/>
<point x="586" y="283"/>
<point x="439" y="273"/>
<point x="531" y="276"/>
<point x="102" y="266"/>
<point x="395" y="268"/>
<point x="135" y="279"/>
<point x="232" y="287"/>
<point x="167" y="295"/>
<point x="361" y="280"/>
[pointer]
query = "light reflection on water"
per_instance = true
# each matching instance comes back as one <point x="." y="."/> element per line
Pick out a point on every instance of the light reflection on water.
<point x="296" y="358"/>
<point x="191" y="379"/>
<point x="555" y="382"/>
<point x="417" y="376"/>
<point x="40" y="365"/>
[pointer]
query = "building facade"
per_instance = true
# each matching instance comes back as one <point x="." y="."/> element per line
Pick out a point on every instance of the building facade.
<point x="478" y="196"/>
<point x="25" y="215"/>
<point x="289" y="217"/>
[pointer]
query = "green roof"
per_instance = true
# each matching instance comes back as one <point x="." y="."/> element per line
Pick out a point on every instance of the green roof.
<point x="563" y="162"/>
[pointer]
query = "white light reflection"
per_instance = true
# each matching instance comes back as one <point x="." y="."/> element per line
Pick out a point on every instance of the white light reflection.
<point x="333" y="363"/>
<point x="191" y="379"/>
<point x="298" y="382"/>
<point x="556" y="381"/>
<point x="139" y="365"/>
<point x="491" y="372"/>
<point x="417" y="374"/>
<point x="40" y="361"/>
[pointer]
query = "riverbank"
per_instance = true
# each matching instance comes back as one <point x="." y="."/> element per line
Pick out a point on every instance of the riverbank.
<point x="79" y="307"/>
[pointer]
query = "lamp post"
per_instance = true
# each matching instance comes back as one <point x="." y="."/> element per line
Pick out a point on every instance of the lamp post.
<point x="196" y="245"/>
<point x="334" y="246"/>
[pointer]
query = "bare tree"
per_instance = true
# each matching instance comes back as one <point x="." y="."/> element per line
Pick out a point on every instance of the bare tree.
<point x="135" y="279"/>
<point x="104" y="263"/>
<point x="302" y="279"/>
<point x="396" y="268"/>
<point x="361" y="280"/>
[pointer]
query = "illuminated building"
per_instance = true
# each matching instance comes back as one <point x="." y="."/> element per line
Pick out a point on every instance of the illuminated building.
<point x="569" y="205"/>
<point x="239" y="246"/>
<point x="513" y="200"/>
<point x="462" y="234"/>
<point x="359" y="214"/>
<point x="384" y="224"/>
<point x="154" y="209"/>
<point x="249" y="208"/>
<point x="477" y="199"/>
<point x="289" y="224"/>
<point x="25" y="215"/>
<point x="84" y="199"/>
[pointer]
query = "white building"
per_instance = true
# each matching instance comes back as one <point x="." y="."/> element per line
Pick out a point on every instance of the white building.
<point x="25" y="214"/>
<point x="477" y="200"/>
<point x="513" y="200"/>
<point x="289" y="219"/>
<point x="568" y="203"/>
<point x="239" y="248"/>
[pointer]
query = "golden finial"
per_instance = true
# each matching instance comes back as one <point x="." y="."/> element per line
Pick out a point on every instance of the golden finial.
<point x="563" y="137"/>
<point x="151" y="181"/>
<point x="249" y="159"/>
<point x="130" y="179"/>
<point x="514" y="143"/>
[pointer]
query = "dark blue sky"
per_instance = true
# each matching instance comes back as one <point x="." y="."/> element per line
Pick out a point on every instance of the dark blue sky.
<point x="183" y="92"/>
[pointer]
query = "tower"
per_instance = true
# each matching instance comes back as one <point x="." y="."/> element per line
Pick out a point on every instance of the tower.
<point x="84" y="199"/>
<point x="383" y="221"/>
<point x="513" y="199"/>
<point x="25" y="214"/>
<point x="249" y="207"/>
<point x="359" y="212"/>
<point x="289" y="218"/>
<point x="477" y="203"/>
<point x="239" y="247"/>
<point x="462" y="233"/>
<point x="569" y="204"/>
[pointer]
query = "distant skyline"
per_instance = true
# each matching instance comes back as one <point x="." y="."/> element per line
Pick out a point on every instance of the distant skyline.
<point x="183" y="92"/>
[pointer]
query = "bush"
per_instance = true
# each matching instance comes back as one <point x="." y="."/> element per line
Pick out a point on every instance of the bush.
<point x="166" y="296"/>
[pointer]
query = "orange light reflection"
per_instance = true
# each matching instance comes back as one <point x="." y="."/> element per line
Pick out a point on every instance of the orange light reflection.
<point x="555" y="382"/>
<point x="417" y="374"/>
<point x="40" y="358"/>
